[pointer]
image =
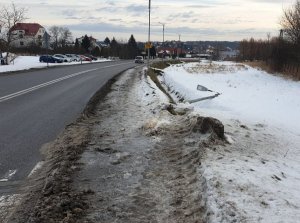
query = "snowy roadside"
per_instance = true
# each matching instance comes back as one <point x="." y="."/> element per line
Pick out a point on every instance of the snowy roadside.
<point x="256" y="177"/>
<point x="132" y="161"/>
<point x="30" y="62"/>
<point x="129" y="161"/>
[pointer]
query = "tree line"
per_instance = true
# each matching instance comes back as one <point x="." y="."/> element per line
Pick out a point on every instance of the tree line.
<point x="280" y="53"/>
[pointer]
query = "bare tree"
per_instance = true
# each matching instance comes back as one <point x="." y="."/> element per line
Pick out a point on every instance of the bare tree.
<point x="60" y="36"/>
<point x="65" y="36"/>
<point x="10" y="16"/>
<point x="54" y="33"/>
<point x="290" y="23"/>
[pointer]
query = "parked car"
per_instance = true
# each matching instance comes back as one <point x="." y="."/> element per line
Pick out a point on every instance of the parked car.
<point x="50" y="59"/>
<point x="84" y="58"/>
<point x="91" y="56"/>
<point x="73" y="57"/>
<point x="139" y="59"/>
<point x="77" y="57"/>
<point x="63" y="57"/>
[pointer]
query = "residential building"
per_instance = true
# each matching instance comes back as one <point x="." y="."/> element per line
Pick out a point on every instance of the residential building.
<point x="28" y="34"/>
<point x="93" y="42"/>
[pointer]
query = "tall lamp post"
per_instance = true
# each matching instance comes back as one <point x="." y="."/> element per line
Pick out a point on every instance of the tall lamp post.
<point x="163" y="24"/>
<point x="179" y="45"/>
<point x="148" y="61"/>
<point x="163" y="43"/>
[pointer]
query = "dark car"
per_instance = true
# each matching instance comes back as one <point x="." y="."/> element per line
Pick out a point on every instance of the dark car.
<point x="50" y="59"/>
<point x="139" y="59"/>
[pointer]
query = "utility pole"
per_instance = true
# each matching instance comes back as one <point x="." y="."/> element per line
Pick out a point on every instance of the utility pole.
<point x="148" y="61"/>
<point x="163" y="43"/>
<point x="178" y="46"/>
<point x="47" y="46"/>
<point x="163" y="24"/>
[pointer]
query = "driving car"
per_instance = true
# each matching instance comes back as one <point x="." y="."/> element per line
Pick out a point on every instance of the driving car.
<point x="139" y="59"/>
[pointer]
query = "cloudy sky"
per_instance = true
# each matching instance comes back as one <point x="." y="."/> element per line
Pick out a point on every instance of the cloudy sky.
<point x="192" y="19"/>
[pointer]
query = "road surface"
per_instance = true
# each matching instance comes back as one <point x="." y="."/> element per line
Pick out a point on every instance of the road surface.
<point x="35" y="107"/>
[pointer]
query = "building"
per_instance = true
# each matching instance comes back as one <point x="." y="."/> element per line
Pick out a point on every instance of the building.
<point x="28" y="34"/>
<point x="228" y="54"/>
<point x="93" y="42"/>
<point x="170" y="51"/>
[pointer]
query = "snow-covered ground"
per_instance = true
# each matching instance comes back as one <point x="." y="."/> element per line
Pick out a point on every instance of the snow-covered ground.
<point x="256" y="177"/>
<point x="28" y="62"/>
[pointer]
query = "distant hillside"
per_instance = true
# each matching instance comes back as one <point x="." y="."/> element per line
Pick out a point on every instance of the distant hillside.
<point x="232" y="44"/>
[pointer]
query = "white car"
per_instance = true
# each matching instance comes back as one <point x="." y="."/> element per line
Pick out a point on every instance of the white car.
<point x="63" y="57"/>
<point x="139" y="59"/>
<point x="73" y="57"/>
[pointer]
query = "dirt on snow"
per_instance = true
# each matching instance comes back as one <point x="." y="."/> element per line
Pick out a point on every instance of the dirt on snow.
<point x="127" y="159"/>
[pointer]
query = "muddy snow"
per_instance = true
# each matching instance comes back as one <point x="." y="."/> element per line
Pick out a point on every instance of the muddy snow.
<point x="142" y="162"/>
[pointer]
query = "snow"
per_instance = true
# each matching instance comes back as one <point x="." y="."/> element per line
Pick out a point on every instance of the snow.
<point x="247" y="93"/>
<point x="29" y="62"/>
<point x="256" y="176"/>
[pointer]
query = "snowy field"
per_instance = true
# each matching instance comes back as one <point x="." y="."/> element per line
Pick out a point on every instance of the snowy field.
<point x="256" y="177"/>
<point x="28" y="62"/>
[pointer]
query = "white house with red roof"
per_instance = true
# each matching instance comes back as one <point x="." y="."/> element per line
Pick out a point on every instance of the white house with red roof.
<point x="27" y="34"/>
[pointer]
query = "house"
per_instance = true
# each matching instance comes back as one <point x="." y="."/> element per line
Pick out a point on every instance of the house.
<point x="228" y="53"/>
<point x="28" y="34"/>
<point x="102" y="44"/>
<point x="170" y="51"/>
<point x="93" y="42"/>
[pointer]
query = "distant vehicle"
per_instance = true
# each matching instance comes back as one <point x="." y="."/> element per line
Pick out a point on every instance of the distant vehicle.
<point x="84" y="58"/>
<point x="91" y="56"/>
<point x="63" y="57"/>
<point x="139" y="59"/>
<point x="50" y="59"/>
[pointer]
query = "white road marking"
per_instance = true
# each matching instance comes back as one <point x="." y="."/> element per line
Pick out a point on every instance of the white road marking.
<point x="8" y="175"/>
<point x="25" y="91"/>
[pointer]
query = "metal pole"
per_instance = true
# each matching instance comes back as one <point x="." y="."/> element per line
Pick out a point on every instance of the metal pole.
<point x="148" y="61"/>
<point x="164" y="34"/>
<point x="163" y="43"/>
<point x="163" y="39"/>
<point x="47" y="45"/>
<point x="178" y="46"/>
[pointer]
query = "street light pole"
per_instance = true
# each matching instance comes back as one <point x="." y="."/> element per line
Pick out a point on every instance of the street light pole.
<point x="179" y="46"/>
<point x="148" y="61"/>
<point x="47" y="46"/>
<point x="163" y="43"/>
<point x="163" y="24"/>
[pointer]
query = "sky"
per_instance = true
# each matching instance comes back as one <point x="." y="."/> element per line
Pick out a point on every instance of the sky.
<point x="192" y="20"/>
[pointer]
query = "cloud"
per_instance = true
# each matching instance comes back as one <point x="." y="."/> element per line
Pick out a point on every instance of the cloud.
<point x="206" y="18"/>
<point x="184" y="15"/>
<point x="104" y="27"/>
<point x="137" y="8"/>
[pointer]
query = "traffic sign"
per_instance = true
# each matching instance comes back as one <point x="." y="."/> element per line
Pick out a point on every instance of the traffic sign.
<point x="148" y="45"/>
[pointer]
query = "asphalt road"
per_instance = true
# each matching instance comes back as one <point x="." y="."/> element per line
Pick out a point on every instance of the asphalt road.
<point x="35" y="107"/>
